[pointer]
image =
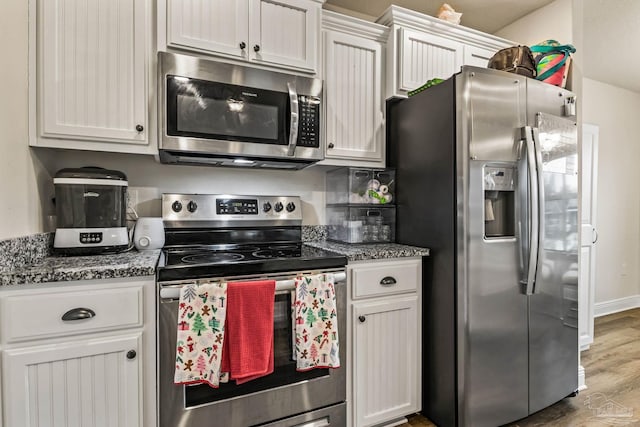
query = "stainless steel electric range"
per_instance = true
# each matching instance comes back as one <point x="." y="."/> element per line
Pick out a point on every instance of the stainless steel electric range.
<point x="232" y="237"/>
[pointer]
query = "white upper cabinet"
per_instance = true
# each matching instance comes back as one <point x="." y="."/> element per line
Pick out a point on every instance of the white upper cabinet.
<point x="421" y="47"/>
<point x="426" y="56"/>
<point x="219" y="26"/>
<point x="353" y="76"/>
<point x="477" y="56"/>
<point x="91" y="86"/>
<point x="278" y="33"/>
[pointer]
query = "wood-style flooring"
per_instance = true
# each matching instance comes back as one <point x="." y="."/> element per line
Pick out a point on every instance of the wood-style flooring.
<point x="612" y="367"/>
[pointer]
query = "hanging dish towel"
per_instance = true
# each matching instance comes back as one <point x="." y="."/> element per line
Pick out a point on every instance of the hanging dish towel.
<point x="316" y="323"/>
<point x="248" y="346"/>
<point x="201" y="319"/>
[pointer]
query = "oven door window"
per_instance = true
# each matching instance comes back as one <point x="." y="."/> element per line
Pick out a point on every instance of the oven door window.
<point x="203" y="109"/>
<point x="284" y="365"/>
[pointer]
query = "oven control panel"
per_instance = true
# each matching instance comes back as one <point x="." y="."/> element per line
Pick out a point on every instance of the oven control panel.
<point x="237" y="206"/>
<point x="178" y="209"/>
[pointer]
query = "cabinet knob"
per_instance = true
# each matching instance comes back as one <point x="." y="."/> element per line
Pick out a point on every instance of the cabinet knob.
<point x="331" y="145"/>
<point x="243" y="45"/>
<point x="139" y="128"/>
<point x="256" y="48"/>
<point x="78" y="314"/>
<point x="131" y="354"/>
<point x="362" y="319"/>
<point x="388" y="281"/>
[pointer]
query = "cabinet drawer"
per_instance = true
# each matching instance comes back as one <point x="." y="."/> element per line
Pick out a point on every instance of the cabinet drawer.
<point x="39" y="315"/>
<point x="386" y="278"/>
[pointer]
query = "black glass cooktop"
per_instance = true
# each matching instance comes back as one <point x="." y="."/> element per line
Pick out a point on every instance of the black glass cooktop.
<point x="232" y="260"/>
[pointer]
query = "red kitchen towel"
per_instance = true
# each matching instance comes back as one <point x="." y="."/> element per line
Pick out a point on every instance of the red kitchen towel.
<point x="247" y="351"/>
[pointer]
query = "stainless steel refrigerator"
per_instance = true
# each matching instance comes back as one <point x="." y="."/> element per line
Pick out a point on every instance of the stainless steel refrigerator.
<point x="487" y="177"/>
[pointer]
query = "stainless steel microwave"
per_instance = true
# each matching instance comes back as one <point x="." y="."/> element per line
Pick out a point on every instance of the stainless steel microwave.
<point x="221" y="114"/>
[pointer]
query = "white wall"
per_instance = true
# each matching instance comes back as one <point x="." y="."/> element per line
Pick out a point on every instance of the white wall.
<point x="553" y="21"/>
<point x="149" y="179"/>
<point x="21" y="172"/>
<point x="616" y="112"/>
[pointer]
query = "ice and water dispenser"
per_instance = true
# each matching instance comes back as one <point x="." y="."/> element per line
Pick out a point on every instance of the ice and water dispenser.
<point x="499" y="201"/>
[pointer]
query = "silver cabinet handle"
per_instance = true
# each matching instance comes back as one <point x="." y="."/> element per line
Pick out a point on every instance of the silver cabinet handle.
<point x="78" y="314"/>
<point x="595" y="233"/>
<point x="388" y="281"/>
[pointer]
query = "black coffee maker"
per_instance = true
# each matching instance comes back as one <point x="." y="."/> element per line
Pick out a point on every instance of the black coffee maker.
<point x="91" y="206"/>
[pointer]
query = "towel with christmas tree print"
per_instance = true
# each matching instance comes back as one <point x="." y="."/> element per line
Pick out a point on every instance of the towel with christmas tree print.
<point x="316" y="322"/>
<point x="201" y="315"/>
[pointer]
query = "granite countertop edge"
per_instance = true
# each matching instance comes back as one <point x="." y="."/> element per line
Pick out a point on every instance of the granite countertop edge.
<point x="90" y="267"/>
<point x="144" y="263"/>
<point x="370" y="251"/>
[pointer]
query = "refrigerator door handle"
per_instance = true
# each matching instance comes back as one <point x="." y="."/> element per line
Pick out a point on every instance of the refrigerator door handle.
<point x="533" y="214"/>
<point x="541" y="198"/>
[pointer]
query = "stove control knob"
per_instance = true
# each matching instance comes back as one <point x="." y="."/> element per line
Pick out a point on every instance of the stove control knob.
<point x="291" y="207"/>
<point x="176" y="206"/>
<point x="266" y="207"/>
<point x="278" y="207"/>
<point x="192" y="206"/>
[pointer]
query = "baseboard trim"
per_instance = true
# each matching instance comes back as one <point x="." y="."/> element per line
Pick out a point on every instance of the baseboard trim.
<point x="616" y="305"/>
<point x="582" y="384"/>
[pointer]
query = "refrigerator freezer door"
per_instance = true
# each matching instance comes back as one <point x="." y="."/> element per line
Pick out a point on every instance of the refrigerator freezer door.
<point x="492" y="310"/>
<point x="495" y="110"/>
<point x="553" y="334"/>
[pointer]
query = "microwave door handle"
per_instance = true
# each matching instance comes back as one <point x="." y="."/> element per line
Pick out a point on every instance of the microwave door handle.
<point x="293" y="131"/>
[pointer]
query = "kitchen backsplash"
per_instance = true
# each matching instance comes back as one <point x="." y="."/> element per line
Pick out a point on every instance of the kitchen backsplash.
<point x="148" y="179"/>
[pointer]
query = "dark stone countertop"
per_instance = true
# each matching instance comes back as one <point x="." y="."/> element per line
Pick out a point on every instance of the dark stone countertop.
<point x="134" y="263"/>
<point x="363" y="252"/>
<point x="64" y="268"/>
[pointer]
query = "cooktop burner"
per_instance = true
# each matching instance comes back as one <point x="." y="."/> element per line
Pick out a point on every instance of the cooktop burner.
<point x="212" y="258"/>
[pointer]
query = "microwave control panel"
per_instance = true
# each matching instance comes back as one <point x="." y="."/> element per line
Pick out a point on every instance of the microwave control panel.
<point x="309" y="121"/>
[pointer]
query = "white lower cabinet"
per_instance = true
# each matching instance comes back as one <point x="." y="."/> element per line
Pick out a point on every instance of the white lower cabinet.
<point x="79" y="383"/>
<point x="86" y="359"/>
<point x="385" y="364"/>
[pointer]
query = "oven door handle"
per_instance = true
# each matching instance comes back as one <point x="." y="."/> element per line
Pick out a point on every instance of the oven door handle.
<point x="173" y="292"/>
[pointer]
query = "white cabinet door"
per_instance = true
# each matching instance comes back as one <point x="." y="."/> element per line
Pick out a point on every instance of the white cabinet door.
<point x="218" y="26"/>
<point x="353" y="81"/>
<point x="477" y="56"/>
<point x="588" y="233"/>
<point x="92" y="69"/>
<point x="94" y="382"/>
<point x="386" y="365"/>
<point x="284" y="32"/>
<point x="426" y="56"/>
<point x="280" y="33"/>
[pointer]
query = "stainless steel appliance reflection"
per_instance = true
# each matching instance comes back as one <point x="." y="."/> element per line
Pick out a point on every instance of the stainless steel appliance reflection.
<point x="226" y="237"/>
<point x="488" y="166"/>
<point x="217" y="114"/>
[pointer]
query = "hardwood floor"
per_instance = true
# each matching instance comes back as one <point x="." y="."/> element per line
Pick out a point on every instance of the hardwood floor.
<point x="612" y="367"/>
